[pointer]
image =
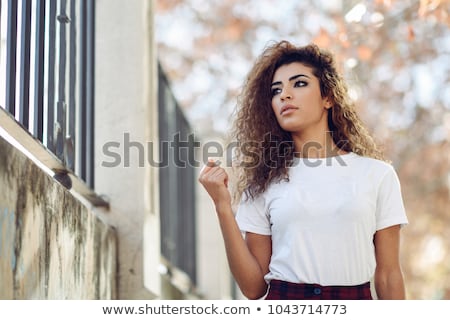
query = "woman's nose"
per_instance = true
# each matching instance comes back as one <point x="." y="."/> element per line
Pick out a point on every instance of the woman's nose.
<point x="285" y="95"/>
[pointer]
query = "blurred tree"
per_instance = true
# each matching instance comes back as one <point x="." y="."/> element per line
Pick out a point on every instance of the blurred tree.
<point x="396" y="58"/>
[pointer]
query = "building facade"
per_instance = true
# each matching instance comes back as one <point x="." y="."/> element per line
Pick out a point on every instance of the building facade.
<point x="90" y="171"/>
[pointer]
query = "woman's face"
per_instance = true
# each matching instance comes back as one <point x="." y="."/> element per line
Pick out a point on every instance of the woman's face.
<point x="297" y="101"/>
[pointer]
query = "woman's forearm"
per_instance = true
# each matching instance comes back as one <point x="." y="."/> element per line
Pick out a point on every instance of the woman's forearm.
<point x="243" y="265"/>
<point x="390" y="286"/>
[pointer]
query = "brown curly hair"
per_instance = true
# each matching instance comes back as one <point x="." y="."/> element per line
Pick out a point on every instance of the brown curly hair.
<point x="261" y="139"/>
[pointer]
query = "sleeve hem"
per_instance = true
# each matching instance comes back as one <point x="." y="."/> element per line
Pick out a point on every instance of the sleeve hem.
<point x="390" y="223"/>
<point x="262" y="231"/>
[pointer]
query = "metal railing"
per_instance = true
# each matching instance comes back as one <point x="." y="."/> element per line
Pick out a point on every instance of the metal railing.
<point x="48" y="87"/>
<point x="177" y="183"/>
<point x="48" y="81"/>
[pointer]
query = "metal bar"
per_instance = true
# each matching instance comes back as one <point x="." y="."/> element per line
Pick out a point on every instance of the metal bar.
<point x="163" y="171"/>
<point x="39" y="71"/>
<point x="168" y="244"/>
<point x="71" y="105"/>
<point x="51" y="76"/>
<point x="11" y="51"/>
<point x="174" y="206"/>
<point x="90" y="89"/>
<point x="82" y="92"/>
<point x="25" y="37"/>
<point x="62" y="19"/>
<point x="61" y="105"/>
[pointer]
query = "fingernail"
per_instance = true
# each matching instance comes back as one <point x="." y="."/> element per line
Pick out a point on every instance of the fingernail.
<point x="212" y="163"/>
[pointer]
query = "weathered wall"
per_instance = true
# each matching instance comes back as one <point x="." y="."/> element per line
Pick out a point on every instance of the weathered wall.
<point x="51" y="246"/>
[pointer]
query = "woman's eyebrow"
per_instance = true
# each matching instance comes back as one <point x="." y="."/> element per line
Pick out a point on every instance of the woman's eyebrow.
<point x="290" y="79"/>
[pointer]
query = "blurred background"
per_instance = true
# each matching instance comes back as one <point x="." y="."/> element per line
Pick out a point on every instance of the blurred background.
<point x="104" y="102"/>
<point x="395" y="56"/>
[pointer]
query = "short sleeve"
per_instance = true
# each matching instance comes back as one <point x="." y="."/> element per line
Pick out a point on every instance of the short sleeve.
<point x="390" y="208"/>
<point x="251" y="216"/>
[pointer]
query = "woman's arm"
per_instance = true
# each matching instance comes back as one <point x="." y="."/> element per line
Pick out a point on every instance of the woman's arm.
<point x="388" y="275"/>
<point x="248" y="258"/>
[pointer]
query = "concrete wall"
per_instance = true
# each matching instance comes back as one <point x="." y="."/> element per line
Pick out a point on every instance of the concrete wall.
<point x="51" y="246"/>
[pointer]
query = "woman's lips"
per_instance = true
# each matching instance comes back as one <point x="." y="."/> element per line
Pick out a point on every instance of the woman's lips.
<point x="287" y="109"/>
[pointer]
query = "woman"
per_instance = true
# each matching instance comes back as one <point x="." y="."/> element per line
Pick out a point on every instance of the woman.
<point x="320" y="210"/>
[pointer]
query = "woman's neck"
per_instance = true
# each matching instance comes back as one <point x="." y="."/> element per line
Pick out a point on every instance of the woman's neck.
<point x="316" y="146"/>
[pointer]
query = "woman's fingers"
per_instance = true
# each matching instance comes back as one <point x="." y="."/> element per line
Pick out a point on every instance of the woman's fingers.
<point x="213" y="163"/>
<point x="215" y="181"/>
<point x="210" y="164"/>
<point x="212" y="173"/>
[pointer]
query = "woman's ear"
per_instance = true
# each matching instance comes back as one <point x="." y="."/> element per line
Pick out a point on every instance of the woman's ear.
<point x="328" y="103"/>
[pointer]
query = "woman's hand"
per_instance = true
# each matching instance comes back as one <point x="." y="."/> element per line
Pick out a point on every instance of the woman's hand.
<point x="215" y="180"/>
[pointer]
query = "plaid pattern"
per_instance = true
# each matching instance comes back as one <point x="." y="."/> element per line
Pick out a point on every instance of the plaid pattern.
<point x="282" y="290"/>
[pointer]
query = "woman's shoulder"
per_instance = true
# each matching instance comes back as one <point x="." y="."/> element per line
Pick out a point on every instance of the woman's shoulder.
<point x="373" y="164"/>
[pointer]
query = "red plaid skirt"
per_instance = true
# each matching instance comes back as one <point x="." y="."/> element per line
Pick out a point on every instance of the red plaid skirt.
<point x="282" y="290"/>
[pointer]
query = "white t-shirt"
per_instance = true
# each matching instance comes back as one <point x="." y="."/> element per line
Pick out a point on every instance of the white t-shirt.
<point x="323" y="220"/>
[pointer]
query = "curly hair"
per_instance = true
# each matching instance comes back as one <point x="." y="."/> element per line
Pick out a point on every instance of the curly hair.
<point x="261" y="139"/>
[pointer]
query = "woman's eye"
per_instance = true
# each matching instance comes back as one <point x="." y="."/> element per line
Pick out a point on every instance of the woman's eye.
<point x="275" y="91"/>
<point x="300" y="83"/>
